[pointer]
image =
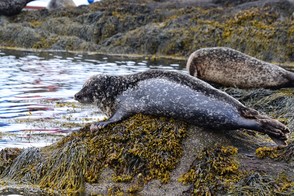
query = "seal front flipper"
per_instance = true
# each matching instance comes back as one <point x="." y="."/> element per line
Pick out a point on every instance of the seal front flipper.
<point x="117" y="117"/>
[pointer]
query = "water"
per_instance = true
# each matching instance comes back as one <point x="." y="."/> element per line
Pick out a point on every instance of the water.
<point x="37" y="89"/>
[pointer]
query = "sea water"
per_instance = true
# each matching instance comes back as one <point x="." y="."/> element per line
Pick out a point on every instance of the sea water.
<point x="37" y="88"/>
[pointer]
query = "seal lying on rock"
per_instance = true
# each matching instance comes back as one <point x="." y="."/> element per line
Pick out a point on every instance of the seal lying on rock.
<point x="12" y="7"/>
<point x="172" y="94"/>
<point x="229" y="67"/>
<point x="56" y="4"/>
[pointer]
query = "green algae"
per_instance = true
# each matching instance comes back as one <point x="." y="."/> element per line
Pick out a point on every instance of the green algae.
<point x="263" y="152"/>
<point x="260" y="184"/>
<point x="45" y="43"/>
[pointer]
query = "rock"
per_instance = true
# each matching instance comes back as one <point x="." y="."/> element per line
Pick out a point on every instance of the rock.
<point x="144" y="154"/>
<point x="12" y="7"/>
<point x="263" y="29"/>
<point x="149" y="155"/>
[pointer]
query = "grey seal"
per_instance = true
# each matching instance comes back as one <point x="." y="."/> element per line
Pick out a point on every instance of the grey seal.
<point x="176" y="95"/>
<point x="12" y="7"/>
<point x="229" y="67"/>
<point x="56" y="4"/>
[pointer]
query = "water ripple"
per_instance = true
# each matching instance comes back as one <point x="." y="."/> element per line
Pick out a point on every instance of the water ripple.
<point x="37" y="89"/>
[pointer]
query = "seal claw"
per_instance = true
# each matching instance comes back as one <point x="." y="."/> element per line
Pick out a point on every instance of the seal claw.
<point x="98" y="125"/>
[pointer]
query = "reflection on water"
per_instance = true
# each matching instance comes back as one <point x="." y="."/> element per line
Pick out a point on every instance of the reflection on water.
<point x="36" y="93"/>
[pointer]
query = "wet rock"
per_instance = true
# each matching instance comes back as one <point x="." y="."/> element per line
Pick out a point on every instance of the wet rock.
<point x="11" y="7"/>
<point x="263" y="29"/>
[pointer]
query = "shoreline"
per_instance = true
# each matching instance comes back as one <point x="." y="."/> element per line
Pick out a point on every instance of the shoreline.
<point x="287" y="65"/>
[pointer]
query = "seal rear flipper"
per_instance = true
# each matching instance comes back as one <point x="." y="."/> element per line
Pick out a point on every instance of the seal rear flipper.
<point x="277" y="131"/>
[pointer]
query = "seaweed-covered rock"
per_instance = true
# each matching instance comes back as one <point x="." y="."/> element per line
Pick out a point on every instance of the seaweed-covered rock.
<point x="263" y="29"/>
<point x="220" y="170"/>
<point x="7" y="156"/>
<point x="151" y="155"/>
<point x="142" y="145"/>
<point x="147" y="155"/>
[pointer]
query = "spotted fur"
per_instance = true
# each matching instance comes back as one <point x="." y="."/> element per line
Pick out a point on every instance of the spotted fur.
<point x="176" y="95"/>
<point x="57" y="4"/>
<point x="229" y="67"/>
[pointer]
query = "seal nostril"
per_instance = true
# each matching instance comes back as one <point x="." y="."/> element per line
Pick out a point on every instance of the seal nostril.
<point x="77" y="97"/>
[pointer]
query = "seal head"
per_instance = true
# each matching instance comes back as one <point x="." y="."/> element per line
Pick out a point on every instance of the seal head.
<point x="93" y="89"/>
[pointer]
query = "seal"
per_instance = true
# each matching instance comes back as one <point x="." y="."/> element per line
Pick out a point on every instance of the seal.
<point x="56" y="4"/>
<point x="176" y="95"/>
<point x="12" y="7"/>
<point x="229" y="67"/>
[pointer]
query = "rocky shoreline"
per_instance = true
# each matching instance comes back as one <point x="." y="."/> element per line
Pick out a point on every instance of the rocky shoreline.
<point x="158" y="156"/>
<point x="263" y="29"/>
<point x="145" y="155"/>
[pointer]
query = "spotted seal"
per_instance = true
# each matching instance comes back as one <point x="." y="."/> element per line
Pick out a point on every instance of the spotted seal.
<point x="176" y="95"/>
<point x="12" y="7"/>
<point x="56" y="4"/>
<point x="229" y="67"/>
